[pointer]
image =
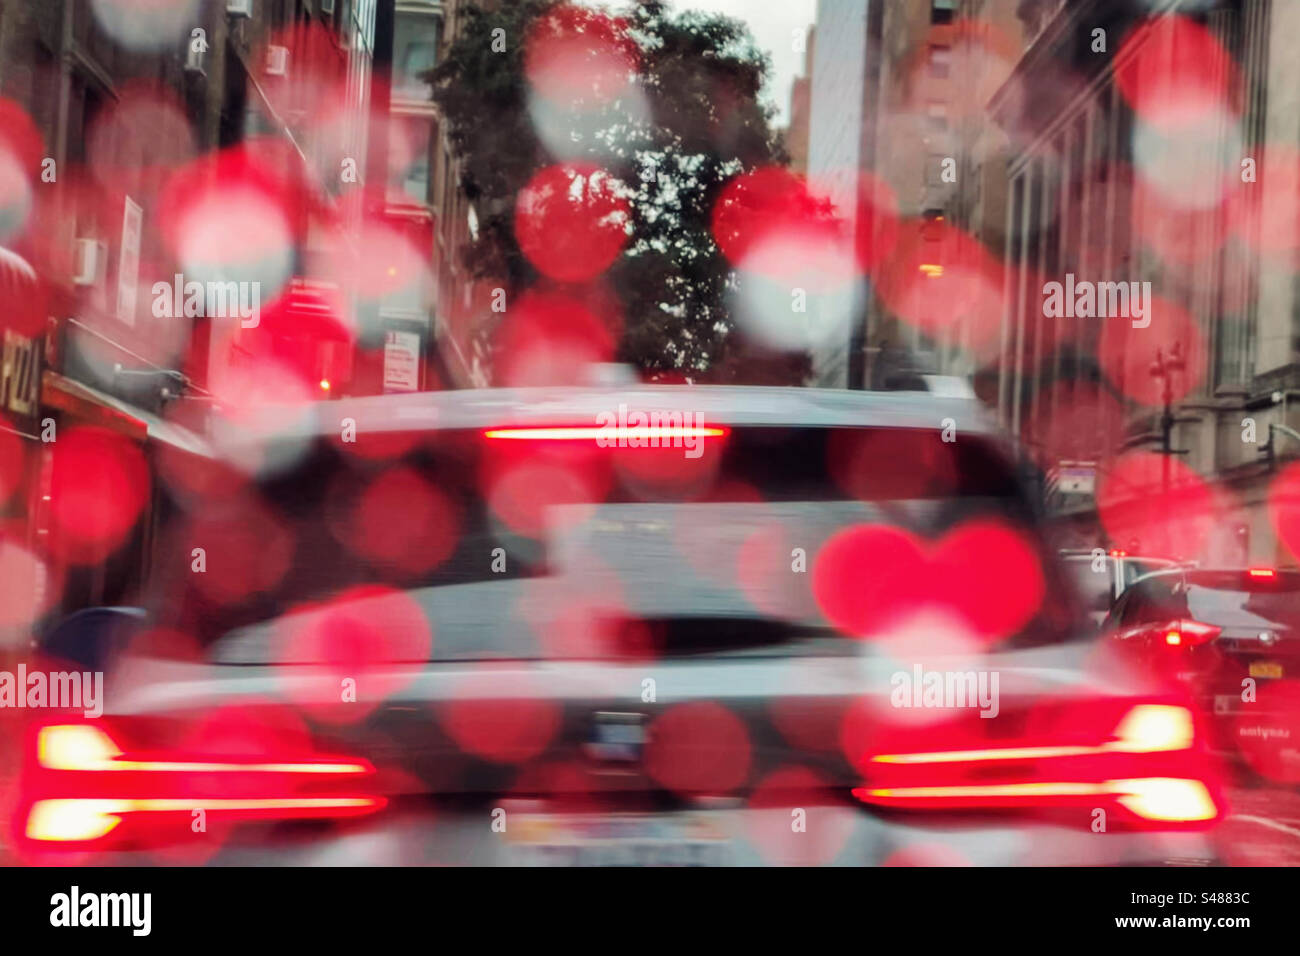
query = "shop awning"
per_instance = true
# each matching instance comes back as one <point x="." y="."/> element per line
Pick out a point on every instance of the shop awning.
<point x="59" y="391"/>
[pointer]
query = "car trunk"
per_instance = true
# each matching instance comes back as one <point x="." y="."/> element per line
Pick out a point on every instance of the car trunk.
<point x="646" y="627"/>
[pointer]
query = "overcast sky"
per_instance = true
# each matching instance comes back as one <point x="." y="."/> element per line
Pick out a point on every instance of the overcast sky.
<point x="773" y="23"/>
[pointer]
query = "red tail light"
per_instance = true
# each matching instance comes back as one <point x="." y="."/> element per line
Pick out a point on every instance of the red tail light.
<point x="1267" y="573"/>
<point x="659" y="434"/>
<point x="81" y="787"/>
<point x="1149" y="768"/>
<point x="1184" y="633"/>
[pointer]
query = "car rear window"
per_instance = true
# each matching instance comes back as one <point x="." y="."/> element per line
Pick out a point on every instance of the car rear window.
<point x="1134" y="568"/>
<point x="1239" y="600"/>
<point x="509" y="548"/>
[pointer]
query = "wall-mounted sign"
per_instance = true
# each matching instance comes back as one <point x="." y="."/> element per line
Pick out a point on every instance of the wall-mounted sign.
<point x="401" y="361"/>
<point x="128" y="262"/>
<point x="1074" y="478"/>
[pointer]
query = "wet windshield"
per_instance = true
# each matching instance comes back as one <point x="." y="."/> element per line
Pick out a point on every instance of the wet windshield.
<point x="391" y="346"/>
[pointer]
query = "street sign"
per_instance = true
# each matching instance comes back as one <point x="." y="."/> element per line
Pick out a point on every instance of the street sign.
<point x="1074" y="478"/>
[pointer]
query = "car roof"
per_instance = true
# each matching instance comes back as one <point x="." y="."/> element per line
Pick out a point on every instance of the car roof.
<point x="736" y="405"/>
<point x="1278" y="572"/>
<point x="1088" y="553"/>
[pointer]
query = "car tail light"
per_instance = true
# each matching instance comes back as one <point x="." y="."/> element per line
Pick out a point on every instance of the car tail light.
<point x="1151" y="728"/>
<point x="1266" y="573"/>
<point x="1184" y="633"/>
<point x="1166" y="799"/>
<point x="1148" y="767"/>
<point x="81" y="787"/>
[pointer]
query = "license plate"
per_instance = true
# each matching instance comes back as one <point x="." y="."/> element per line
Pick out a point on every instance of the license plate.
<point x="616" y="737"/>
<point x="1265" y="669"/>
<point x="615" y="839"/>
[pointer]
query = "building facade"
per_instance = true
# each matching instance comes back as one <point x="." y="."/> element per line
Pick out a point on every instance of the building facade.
<point x="463" y="303"/>
<point x="102" y="116"/>
<point x="1101" y="187"/>
<point x="841" y="144"/>
<point x="796" y="133"/>
<point x="889" y="99"/>
<point x="431" y="328"/>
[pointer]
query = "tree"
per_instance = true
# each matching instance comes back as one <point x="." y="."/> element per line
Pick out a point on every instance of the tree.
<point x="688" y="122"/>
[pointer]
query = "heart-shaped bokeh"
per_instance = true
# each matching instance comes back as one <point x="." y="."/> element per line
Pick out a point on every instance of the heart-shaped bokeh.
<point x="869" y="578"/>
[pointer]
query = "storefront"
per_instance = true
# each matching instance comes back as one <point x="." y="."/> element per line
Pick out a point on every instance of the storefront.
<point x="118" y="578"/>
<point x="41" y="402"/>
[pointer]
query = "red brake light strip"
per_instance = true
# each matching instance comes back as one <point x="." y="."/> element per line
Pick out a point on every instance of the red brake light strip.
<point x="590" y="433"/>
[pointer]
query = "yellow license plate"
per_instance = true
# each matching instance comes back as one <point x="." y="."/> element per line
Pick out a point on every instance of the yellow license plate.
<point x="1266" y="669"/>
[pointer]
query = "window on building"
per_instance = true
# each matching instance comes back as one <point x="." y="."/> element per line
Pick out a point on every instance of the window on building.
<point x="410" y="151"/>
<point x="937" y="116"/>
<point x="942" y="11"/>
<point x="415" y="50"/>
<point x="940" y="62"/>
<point x="346" y="28"/>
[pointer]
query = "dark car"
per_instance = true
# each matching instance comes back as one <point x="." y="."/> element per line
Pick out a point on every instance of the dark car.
<point x="470" y="628"/>
<point x="1230" y="637"/>
<point x="1100" y="576"/>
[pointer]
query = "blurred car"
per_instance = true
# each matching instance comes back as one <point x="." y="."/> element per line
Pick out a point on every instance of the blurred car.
<point x="1100" y="577"/>
<point x="472" y="628"/>
<point x="1230" y="638"/>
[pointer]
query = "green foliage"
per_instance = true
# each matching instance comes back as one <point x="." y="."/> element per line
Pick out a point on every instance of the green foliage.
<point x="700" y="124"/>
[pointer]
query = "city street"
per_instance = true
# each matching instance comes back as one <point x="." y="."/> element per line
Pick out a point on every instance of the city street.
<point x="1263" y="828"/>
<point x="503" y="433"/>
